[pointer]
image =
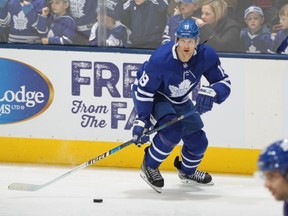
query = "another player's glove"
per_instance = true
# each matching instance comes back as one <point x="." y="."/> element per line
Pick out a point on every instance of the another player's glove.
<point x="139" y="130"/>
<point x="205" y="99"/>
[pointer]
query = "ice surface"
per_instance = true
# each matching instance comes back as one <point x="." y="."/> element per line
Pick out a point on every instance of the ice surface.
<point x="125" y="193"/>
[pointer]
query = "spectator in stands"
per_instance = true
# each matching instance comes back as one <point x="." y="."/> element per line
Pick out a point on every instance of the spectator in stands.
<point x="146" y="19"/>
<point x="270" y="10"/>
<point x="59" y="27"/>
<point x="217" y="29"/>
<point x="187" y="9"/>
<point x="84" y="14"/>
<point x="114" y="33"/>
<point x="256" y="38"/>
<point x="280" y="41"/>
<point x="4" y="21"/>
<point x="22" y="20"/>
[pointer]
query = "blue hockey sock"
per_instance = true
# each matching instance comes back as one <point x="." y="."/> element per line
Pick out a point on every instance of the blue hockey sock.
<point x="157" y="152"/>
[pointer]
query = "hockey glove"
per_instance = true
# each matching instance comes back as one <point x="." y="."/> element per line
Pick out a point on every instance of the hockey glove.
<point x="139" y="130"/>
<point x="205" y="99"/>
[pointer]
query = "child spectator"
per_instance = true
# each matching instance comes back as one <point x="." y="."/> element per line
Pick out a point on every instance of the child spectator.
<point x="256" y="38"/>
<point x="117" y="34"/>
<point x="60" y="27"/>
<point x="23" y="18"/>
<point x="146" y="19"/>
<point x="280" y="41"/>
<point x="187" y="9"/>
<point x="84" y="14"/>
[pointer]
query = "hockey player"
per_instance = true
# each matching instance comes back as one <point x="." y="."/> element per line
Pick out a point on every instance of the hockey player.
<point x="273" y="165"/>
<point x="59" y="26"/>
<point x="161" y="91"/>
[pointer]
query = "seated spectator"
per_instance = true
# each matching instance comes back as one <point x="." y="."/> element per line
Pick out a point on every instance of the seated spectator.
<point x="146" y="19"/>
<point x="23" y="18"/>
<point x="280" y="41"/>
<point x="59" y="26"/>
<point x="217" y="29"/>
<point x="270" y="10"/>
<point x="116" y="34"/>
<point x="187" y="9"/>
<point x="4" y="20"/>
<point x="256" y="38"/>
<point x="84" y="14"/>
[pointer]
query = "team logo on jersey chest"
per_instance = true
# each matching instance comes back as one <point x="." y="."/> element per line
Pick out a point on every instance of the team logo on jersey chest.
<point x="183" y="87"/>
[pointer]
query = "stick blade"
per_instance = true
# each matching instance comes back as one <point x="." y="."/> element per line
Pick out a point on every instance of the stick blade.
<point x="24" y="187"/>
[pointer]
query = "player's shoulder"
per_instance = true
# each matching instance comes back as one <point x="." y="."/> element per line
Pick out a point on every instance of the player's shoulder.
<point x="163" y="52"/>
<point x="206" y="51"/>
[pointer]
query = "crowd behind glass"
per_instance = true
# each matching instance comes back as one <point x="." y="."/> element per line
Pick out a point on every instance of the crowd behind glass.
<point x="249" y="26"/>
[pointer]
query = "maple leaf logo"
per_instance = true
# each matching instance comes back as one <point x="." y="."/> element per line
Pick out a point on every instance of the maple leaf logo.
<point x="182" y="88"/>
<point x="77" y="8"/>
<point x="20" y="21"/>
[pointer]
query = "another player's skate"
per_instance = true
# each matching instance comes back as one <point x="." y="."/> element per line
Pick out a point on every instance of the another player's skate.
<point x="152" y="177"/>
<point x="199" y="177"/>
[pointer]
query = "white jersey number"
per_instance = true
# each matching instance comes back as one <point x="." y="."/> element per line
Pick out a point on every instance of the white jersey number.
<point x="143" y="79"/>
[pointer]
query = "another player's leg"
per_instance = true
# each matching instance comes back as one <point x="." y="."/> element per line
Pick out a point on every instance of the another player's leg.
<point x="162" y="145"/>
<point x="194" y="147"/>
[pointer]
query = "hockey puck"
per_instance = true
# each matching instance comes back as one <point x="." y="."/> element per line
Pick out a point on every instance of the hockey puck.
<point x="97" y="200"/>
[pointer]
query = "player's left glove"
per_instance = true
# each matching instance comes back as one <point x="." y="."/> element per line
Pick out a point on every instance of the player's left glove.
<point x="139" y="130"/>
<point x="205" y="99"/>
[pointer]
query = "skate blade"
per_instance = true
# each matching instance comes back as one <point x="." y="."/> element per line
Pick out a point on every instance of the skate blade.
<point x="157" y="189"/>
<point x="191" y="182"/>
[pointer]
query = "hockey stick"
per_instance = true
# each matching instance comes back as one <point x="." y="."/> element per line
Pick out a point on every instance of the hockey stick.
<point x="33" y="187"/>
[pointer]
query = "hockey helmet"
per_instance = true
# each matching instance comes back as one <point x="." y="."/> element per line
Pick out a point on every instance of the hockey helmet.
<point x="187" y="29"/>
<point x="275" y="157"/>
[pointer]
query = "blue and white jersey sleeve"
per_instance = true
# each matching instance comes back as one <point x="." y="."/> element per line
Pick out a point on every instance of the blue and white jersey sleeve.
<point x="146" y="86"/>
<point x="217" y="77"/>
<point x="4" y="15"/>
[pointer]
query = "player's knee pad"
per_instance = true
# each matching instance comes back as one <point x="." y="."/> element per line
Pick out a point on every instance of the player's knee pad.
<point x="172" y="134"/>
<point x="196" y="143"/>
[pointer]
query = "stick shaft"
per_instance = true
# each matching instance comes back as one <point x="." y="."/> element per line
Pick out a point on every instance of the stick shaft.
<point x="32" y="187"/>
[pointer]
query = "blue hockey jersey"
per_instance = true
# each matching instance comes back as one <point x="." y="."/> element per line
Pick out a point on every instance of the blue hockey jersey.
<point x="261" y="42"/>
<point x="59" y="29"/>
<point x="84" y="14"/>
<point x="165" y="74"/>
<point x="23" y="21"/>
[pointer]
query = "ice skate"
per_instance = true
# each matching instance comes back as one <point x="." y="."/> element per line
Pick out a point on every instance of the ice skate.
<point x="152" y="177"/>
<point x="198" y="178"/>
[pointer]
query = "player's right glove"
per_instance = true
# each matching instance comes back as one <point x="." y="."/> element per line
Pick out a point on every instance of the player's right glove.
<point x="205" y="99"/>
<point x="139" y="130"/>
